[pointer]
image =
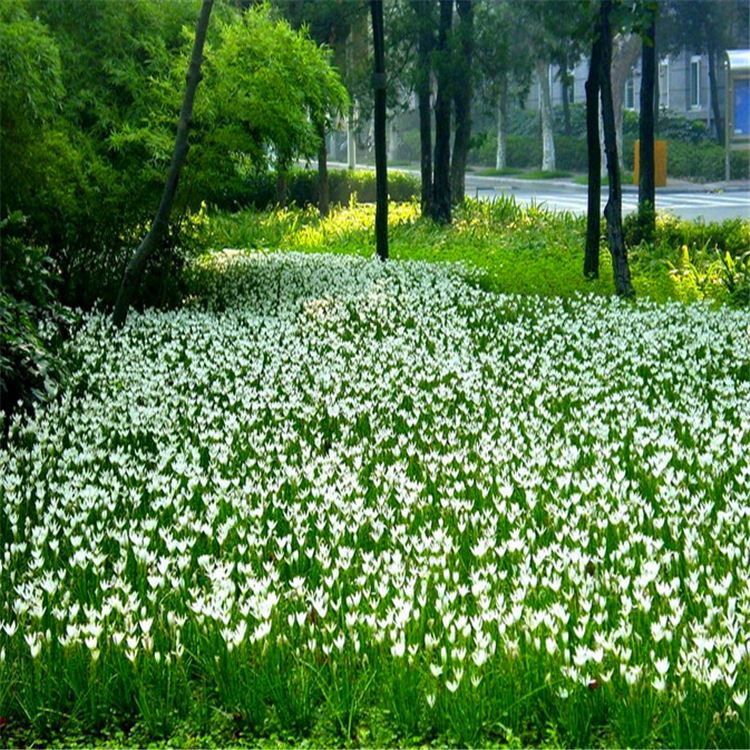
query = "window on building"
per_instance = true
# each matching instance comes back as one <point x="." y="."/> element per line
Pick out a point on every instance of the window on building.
<point x="630" y="93"/>
<point x="664" y="84"/>
<point x="695" y="82"/>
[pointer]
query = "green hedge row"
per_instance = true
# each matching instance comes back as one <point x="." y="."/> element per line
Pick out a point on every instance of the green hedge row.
<point x="525" y="152"/>
<point x="259" y="190"/>
<point x="697" y="161"/>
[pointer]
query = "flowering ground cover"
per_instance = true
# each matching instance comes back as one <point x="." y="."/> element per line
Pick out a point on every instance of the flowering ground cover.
<point x="373" y="502"/>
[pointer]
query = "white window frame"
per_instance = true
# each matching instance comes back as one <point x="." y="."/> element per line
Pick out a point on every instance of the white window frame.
<point x="695" y="81"/>
<point x="664" y="84"/>
<point x="630" y="93"/>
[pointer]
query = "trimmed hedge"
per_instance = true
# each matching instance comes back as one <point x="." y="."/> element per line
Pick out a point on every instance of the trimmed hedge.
<point x="702" y="161"/>
<point x="258" y="190"/>
<point x="525" y="152"/>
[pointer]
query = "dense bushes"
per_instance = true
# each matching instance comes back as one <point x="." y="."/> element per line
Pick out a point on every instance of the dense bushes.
<point x="701" y="260"/>
<point x="525" y="152"/>
<point x="32" y="322"/>
<point x="258" y="189"/>
<point x="691" y="154"/>
<point x="703" y="161"/>
<point x="89" y="95"/>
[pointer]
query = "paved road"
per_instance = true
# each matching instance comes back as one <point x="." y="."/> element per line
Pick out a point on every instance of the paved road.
<point x="692" y="204"/>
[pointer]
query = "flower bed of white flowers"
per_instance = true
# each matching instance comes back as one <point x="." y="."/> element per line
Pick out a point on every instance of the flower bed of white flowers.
<point x="332" y="485"/>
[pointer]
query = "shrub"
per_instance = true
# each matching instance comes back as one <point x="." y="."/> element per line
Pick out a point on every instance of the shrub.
<point x="525" y="152"/>
<point x="32" y="322"/>
<point x="258" y="190"/>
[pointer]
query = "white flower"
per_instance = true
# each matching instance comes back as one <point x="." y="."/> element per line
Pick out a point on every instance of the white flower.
<point x="452" y="685"/>
<point x="662" y="666"/>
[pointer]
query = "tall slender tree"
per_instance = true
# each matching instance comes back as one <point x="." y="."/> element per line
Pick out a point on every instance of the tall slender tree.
<point x="381" y="167"/>
<point x="441" y="186"/>
<point x="646" y="177"/>
<point x="134" y="269"/>
<point x="462" y="96"/>
<point x="613" y="209"/>
<point x="425" y="43"/>
<point x="593" y="216"/>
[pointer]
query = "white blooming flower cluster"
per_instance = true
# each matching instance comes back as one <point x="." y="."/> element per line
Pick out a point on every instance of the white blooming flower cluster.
<point x="338" y="460"/>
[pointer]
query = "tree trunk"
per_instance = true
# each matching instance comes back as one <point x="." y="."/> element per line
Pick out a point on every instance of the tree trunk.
<point x="714" y="84"/>
<point x="565" y="81"/>
<point x="624" y="58"/>
<point x="613" y="209"/>
<point x="381" y="166"/>
<point x="657" y="99"/>
<point x="441" y="186"/>
<point x="323" y="191"/>
<point x="425" y="43"/>
<point x="282" y="185"/>
<point x="501" y="154"/>
<point x="462" y="99"/>
<point x="393" y="140"/>
<point x="134" y="270"/>
<point x="351" y="140"/>
<point x="545" y="106"/>
<point x="593" y="216"/>
<point x="646" y="178"/>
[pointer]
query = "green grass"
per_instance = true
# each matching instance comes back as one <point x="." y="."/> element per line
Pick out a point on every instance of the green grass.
<point x="582" y="179"/>
<point x="533" y="174"/>
<point x="512" y="249"/>
<point x="539" y="174"/>
<point x="492" y="172"/>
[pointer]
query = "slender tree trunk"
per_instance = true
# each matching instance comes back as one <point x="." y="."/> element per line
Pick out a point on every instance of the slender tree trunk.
<point x="134" y="270"/>
<point x="351" y="140"/>
<point x="657" y="98"/>
<point x="624" y="58"/>
<point x="646" y="177"/>
<point x="381" y="166"/>
<point x="565" y="81"/>
<point x="323" y="190"/>
<point x="613" y="209"/>
<point x="425" y="43"/>
<point x="393" y="140"/>
<point x="441" y="193"/>
<point x="501" y="153"/>
<point x="714" y="84"/>
<point x="462" y="99"/>
<point x="593" y="216"/>
<point x="282" y="184"/>
<point x="545" y="106"/>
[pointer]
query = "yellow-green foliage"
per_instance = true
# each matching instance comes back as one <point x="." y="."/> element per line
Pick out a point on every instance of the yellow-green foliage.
<point x="514" y="249"/>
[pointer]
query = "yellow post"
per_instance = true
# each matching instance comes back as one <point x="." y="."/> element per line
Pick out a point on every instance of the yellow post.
<point x="660" y="163"/>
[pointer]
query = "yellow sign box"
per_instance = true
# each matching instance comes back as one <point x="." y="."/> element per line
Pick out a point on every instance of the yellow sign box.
<point x="660" y="163"/>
